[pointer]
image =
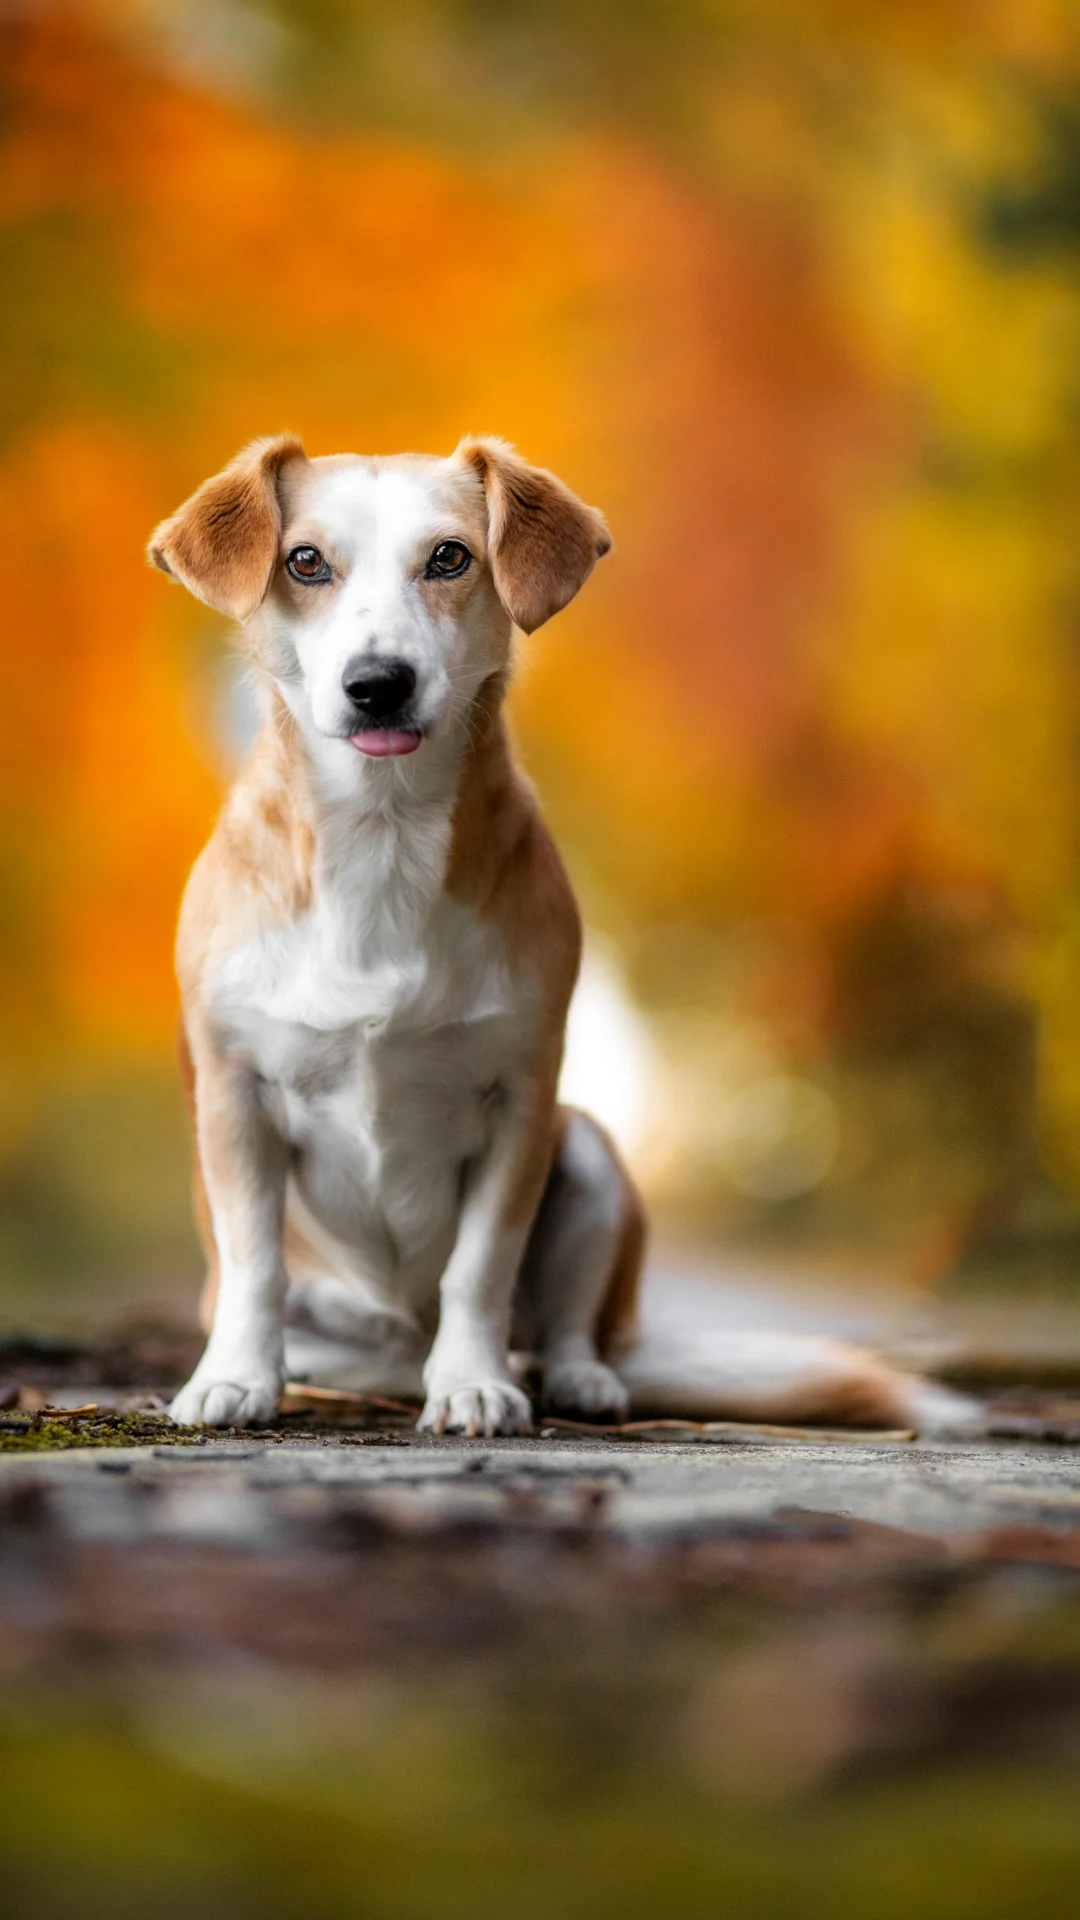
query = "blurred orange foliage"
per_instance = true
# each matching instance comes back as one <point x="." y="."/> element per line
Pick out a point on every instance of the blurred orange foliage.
<point x="827" y="682"/>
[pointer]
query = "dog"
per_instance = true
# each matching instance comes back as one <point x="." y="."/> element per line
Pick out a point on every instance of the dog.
<point x="376" y="954"/>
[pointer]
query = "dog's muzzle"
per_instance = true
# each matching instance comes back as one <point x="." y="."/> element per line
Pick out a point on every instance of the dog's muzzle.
<point x="379" y="691"/>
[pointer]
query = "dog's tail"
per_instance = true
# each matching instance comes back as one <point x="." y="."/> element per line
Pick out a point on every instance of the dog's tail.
<point x="670" y="1339"/>
<point x="784" y="1378"/>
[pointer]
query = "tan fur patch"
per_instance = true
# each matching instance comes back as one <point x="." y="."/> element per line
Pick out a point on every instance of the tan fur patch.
<point x="223" y="542"/>
<point x="871" y="1395"/>
<point x="504" y="865"/>
<point x="543" y="542"/>
<point x="256" y="869"/>
<point x="200" y="1201"/>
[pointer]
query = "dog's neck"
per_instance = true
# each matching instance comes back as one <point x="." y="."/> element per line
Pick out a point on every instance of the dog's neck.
<point x="412" y="812"/>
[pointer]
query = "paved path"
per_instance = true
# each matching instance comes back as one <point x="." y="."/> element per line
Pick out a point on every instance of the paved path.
<point x="379" y="1675"/>
<point x="229" y="1488"/>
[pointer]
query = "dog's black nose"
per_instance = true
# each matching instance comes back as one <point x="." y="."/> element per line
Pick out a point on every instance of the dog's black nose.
<point x="378" y="687"/>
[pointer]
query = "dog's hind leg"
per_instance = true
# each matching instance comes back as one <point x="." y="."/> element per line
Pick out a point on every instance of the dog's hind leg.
<point x="579" y="1274"/>
<point x="577" y="1309"/>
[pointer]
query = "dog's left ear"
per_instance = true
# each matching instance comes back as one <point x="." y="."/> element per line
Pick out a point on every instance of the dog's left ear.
<point x="543" y="542"/>
<point x="223" y="542"/>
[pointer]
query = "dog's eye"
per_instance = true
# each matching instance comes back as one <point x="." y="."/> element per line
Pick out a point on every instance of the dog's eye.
<point x="307" y="565"/>
<point x="450" y="558"/>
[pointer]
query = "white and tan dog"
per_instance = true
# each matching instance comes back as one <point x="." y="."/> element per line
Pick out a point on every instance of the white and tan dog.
<point x="376" y="955"/>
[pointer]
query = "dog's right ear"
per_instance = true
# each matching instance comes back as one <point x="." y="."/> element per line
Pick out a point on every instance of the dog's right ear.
<point x="223" y="542"/>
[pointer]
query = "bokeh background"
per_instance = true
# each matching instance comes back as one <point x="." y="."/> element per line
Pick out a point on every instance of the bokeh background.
<point x="792" y="289"/>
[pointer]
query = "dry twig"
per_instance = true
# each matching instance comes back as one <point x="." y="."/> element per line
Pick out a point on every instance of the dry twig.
<point x="737" y="1429"/>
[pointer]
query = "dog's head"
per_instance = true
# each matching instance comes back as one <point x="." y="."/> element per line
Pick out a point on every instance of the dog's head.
<point x="379" y="594"/>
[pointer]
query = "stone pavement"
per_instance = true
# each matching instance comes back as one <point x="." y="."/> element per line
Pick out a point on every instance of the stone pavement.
<point x="385" y="1676"/>
<point x="661" y="1491"/>
<point x="342" y="1667"/>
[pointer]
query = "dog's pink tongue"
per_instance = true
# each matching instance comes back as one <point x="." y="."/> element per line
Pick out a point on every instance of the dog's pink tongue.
<point x="385" y="740"/>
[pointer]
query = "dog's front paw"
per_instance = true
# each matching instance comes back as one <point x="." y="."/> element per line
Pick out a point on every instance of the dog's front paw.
<point x="489" y="1407"/>
<point x="247" y="1399"/>
<point x="586" y="1388"/>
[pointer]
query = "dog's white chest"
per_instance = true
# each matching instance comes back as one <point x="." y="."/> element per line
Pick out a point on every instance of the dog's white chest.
<point x="382" y="1030"/>
<point x="333" y="974"/>
<point x="383" y="945"/>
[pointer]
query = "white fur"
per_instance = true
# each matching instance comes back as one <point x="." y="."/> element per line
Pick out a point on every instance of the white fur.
<point x="384" y="1028"/>
<point x="379" y="1025"/>
<point x="375" y="1059"/>
<point x="378" y="526"/>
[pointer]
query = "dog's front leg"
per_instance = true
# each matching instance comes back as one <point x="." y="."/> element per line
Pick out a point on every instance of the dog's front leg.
<point x="244" y="1163"/>
<point x="467" y="1378"/>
